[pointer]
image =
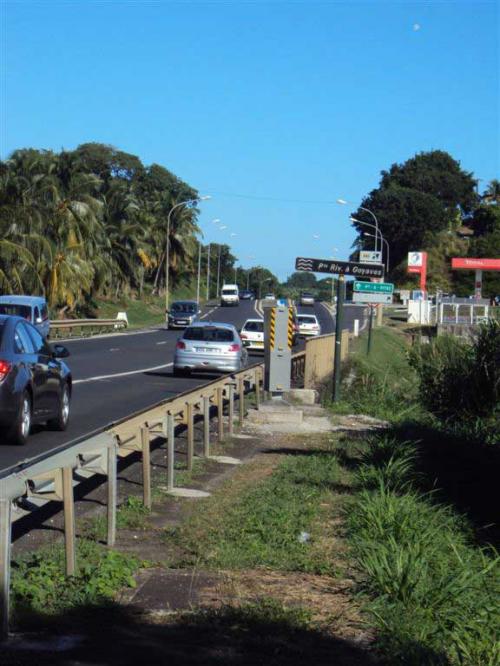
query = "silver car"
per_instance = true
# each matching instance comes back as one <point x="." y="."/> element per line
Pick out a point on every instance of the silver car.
<point x="209" y="347"/>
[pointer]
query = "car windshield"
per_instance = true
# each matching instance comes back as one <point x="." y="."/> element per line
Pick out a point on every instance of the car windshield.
<point x="229" y="292"/>
<point x="307" y="320"/>
<point x="15" y="309"/>
<point x="184" y="307"/>
<point x="209" y="334"/>
<point x="254" y="326"/>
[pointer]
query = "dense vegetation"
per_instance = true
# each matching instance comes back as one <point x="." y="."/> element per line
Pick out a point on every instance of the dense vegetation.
<point x="92" y="222"/>
<point x="430" y="203"/>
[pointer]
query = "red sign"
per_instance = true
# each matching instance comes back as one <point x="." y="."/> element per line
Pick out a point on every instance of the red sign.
<point x="476" y="264"/>
<point x="417" y="263"/>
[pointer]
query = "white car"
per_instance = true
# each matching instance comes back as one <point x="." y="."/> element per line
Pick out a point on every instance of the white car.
<point x="252" y="334"/>
<point x="308" y="325"/>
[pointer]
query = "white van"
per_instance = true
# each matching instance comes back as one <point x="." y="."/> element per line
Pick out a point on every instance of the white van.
<point x="230" y="295"/>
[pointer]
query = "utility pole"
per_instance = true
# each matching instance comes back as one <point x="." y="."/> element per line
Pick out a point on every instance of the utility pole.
<point x="339" y="321"/>
<point x="199" y="275"/>
<point x="208" y="273"/>
<point x="218" y="272"/>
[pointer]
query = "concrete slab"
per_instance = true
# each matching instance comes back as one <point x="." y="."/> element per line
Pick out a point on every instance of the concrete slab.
<point x="279" y="415"/>
<point x="188" y="492"/>
<point x="304" y="396"/>
<point x="225" y="460"/>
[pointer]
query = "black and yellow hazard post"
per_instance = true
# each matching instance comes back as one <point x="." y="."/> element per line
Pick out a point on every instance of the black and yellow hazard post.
<point x="278" y="340"/>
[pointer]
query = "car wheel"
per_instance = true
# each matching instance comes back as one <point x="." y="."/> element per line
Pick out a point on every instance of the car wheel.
<point x="62" y="419"/>
<point x="20" y="429"/>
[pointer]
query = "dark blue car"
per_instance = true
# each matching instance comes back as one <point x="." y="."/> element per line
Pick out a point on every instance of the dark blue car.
<point x="35" y="385"/>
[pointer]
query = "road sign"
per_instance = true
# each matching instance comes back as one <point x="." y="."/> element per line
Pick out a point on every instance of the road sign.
<point x="367" y="297"/>
<point x="370" y="256"/>
<point x="373" y="287"/>
<point x="339" y="267"/>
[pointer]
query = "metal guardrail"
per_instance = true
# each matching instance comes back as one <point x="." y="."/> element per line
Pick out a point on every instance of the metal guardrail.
<point x="84" y="326"/>
<point x="52" y="477"/>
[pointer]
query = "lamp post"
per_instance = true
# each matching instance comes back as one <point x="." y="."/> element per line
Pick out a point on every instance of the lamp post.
<point x="372" y="226"/>
<point x="343" y="202"/>
<point x="365" y="233"/>
<point x="167" y="251"/>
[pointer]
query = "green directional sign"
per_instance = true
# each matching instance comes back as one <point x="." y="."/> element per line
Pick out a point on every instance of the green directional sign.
<point x="374" y="287"/>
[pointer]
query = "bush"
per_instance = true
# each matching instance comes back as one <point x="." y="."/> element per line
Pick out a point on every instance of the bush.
<point x="461" y="380"/>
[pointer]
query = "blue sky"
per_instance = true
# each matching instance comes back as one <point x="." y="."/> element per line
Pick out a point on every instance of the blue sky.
<point x="276" y="109"/>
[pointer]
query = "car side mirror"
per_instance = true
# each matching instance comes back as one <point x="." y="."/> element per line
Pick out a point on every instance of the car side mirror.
<point x="60" y="351"/>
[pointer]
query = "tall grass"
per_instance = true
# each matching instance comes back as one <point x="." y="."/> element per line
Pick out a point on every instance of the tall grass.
<point x="433" y="597"/>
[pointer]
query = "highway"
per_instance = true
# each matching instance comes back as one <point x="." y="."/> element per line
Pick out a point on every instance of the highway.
<point x="117" y="375"/>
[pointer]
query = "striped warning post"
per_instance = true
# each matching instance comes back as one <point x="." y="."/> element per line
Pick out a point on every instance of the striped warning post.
<point x="290" y="328"/>
<point x="272" y="328"/>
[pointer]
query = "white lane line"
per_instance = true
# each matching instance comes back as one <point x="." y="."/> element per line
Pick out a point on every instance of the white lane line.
<point x="258" y="308"/>
<point x="329" y="309"/>
<point x="122" y="374"/>
<point x="208" y="313"/>
<point x="162" y="343"/>
<point x="113" y="349"/>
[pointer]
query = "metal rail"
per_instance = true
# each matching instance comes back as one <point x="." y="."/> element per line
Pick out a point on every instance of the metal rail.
<point x="52" y="477"/>
<point x="84" y="326"/>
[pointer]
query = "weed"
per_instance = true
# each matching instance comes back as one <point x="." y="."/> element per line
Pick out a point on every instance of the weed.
<point x="40" y="585"/>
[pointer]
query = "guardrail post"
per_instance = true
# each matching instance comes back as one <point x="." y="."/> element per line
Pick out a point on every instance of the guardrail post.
<point x="170" y="451"/>
<point x="69" y="520"/>
<point x="112" y="493"/>
<point x="220" y="413"/>
<point x="190" y="435"/>
<point x="206" y="426"/>
<point x="257" y="387"/>
<point x="231" y="409"/>
<point x="146" y="467"/>
<point x="5" y="540"/>
<point x="241" y="394"/>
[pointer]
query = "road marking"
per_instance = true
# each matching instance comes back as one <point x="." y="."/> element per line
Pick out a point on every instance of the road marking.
<point x="122" y="374"/>
<point x="113" y="349"/>
<point x="258" y="308"/>
<point x="162" y="343"/>
<point x="208" y="313"/>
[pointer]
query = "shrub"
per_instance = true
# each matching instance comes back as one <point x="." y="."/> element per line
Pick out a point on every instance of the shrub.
<point x="460" y="380"/>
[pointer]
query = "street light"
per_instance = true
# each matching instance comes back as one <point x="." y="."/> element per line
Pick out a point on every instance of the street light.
<point x="343" y="202"/>
<point x="215" y="221"/>
<point x="167" y="252"/>
<point x="367" y="224"/>
<point x="365" y="233"/>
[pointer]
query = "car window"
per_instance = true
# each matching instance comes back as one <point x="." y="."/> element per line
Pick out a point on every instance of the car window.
<point x="184" y="307"/>
<point x="41" y="347"/>
<point x="209" y="334"/>
<point x="307" y="320"/>
<point x="23" y="311"/>
<point x="18" y="343"/>
<point x="254" y="326"/>
<point x="27" y="342"/>
<point x="229" y="292"/>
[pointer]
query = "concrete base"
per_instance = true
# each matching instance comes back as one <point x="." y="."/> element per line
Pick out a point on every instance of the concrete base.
<point x="276" y="411"/>
<point x="225" y="460"/>
<point x="304" y="396"/>
<point x="188" y="492"/>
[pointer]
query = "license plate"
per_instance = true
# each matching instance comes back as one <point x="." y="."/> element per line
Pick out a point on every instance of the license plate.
<point x="258" y="344"/>
<point x="181" y="321"/>
<point x="207" y="350"/>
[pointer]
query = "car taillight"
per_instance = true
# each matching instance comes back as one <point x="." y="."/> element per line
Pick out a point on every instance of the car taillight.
<point x="5" y="367"/>
<point x="234" y="348"/>
<point x="181" y="345"/>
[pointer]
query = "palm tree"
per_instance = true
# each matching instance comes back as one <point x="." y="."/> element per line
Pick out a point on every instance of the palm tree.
<point x="492" y="192"/>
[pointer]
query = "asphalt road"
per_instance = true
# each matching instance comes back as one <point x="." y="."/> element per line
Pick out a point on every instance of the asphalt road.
<point x="117" y="375"/>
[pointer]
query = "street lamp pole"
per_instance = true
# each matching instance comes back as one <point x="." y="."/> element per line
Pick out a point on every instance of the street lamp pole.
<point x="218" y="272"/>
<point x="343" y="202"/>
<point x="372" y="226"/>
<point x="208" y="272"/>
<point x="387" y="262"/>
<point x="167" y="251"/>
